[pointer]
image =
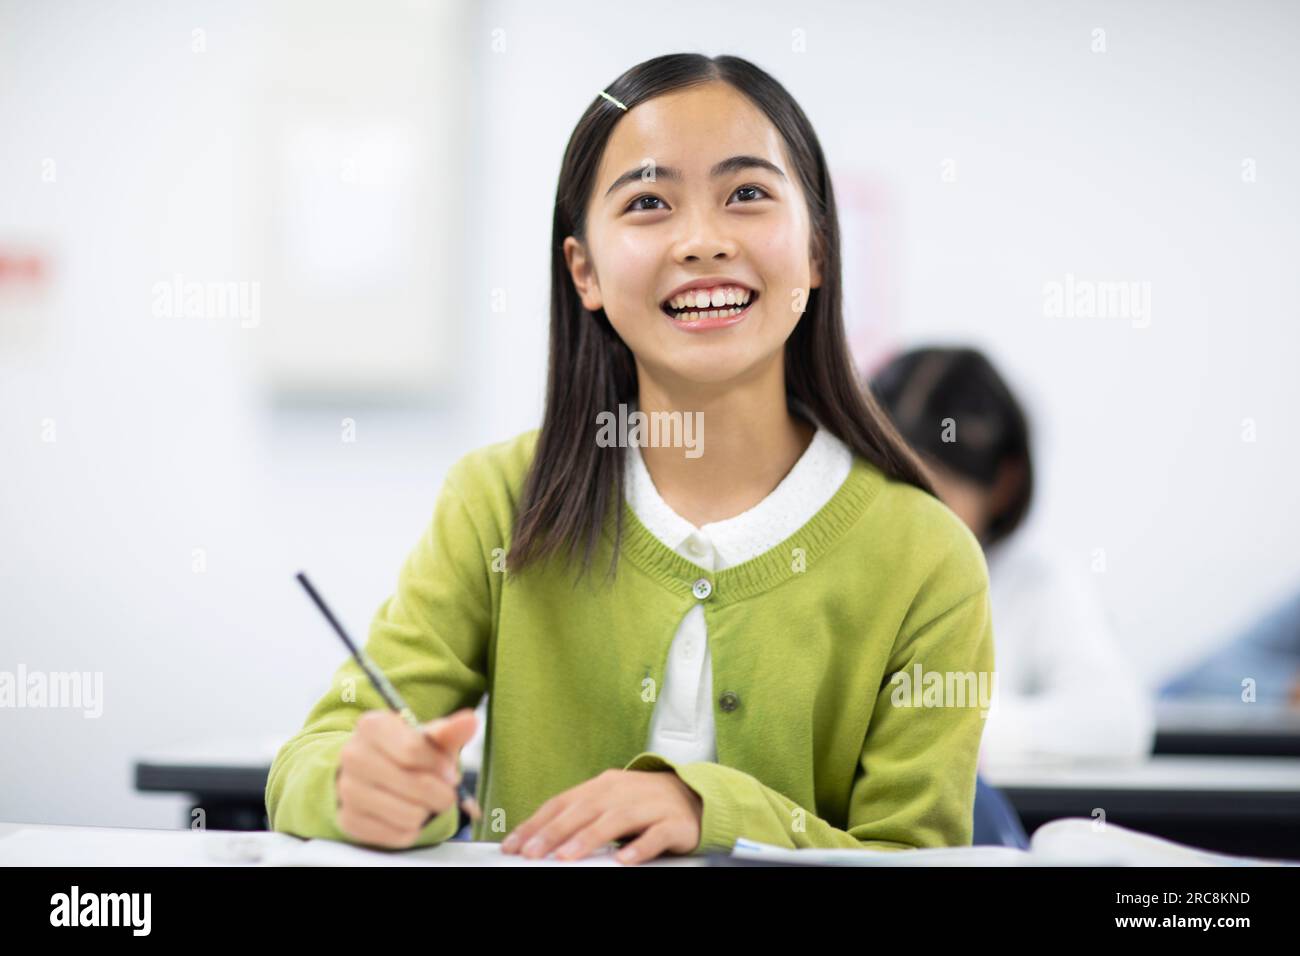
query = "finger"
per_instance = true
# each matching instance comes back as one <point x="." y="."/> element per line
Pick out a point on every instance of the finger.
<point x="373" y="831"/>
<point x="603" y="783"/>
<point x="452" y="732"/>
<point x="647" y="846"/>
<point x="364" y="797"/>
<point x="428" y="790"/>
<point x="613" y="823"/>
<point x="360" y="822"/>
<point x="408" y="748"/>
<point x="370" y="762"/>
<point x="562" y="827"/>
<point x="542" y="816"/>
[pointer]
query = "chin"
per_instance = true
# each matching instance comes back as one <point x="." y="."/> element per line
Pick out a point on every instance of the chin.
<point x="710" y="366"/>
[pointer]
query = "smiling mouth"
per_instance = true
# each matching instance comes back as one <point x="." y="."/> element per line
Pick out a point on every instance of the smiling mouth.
<point x="695" y="314"/>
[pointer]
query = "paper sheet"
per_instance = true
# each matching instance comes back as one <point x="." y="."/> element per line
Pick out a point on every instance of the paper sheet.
<point x="935" y="856"/>
<point x="452" y="853"/>
<point x="1072" y="841"/>
<point x="93" y="846"/>
<point x="1079" y="841"/>
<point x="96" y="846"/>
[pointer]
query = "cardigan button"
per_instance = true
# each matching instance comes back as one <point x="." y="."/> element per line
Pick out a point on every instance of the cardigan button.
<point x="702" y="588"/>
<point x="729" y="701"/>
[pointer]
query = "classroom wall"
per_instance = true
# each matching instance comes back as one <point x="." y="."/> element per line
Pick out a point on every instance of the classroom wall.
<point x="979" y="154"/>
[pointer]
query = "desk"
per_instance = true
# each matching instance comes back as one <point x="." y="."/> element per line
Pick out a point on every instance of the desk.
<point x="225" y="777"/>
<point x="1243" y="805"/>
<point x="128" y="846"/>
<point x="1231" y="729"/>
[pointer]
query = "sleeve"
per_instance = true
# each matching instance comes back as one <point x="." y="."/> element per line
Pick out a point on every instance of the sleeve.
<point x="1087" y="701"/>
<point x="915" y="781"/>
<point x="430" y="637"/>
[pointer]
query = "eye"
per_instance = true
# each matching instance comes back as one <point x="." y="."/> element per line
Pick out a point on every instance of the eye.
<point x="633" y="207"/>
<point x="751" y="186"/>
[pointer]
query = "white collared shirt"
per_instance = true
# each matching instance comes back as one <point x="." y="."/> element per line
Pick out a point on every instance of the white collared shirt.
<point x="681" y="728"/>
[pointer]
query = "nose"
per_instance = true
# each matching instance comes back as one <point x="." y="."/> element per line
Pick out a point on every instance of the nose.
<point x="703" y="239"/>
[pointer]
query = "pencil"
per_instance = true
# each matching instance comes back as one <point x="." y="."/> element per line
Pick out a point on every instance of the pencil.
<point x="387" y="691"/>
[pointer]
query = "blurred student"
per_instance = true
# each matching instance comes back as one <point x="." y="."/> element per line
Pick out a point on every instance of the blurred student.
<point x="1063" y="688"/>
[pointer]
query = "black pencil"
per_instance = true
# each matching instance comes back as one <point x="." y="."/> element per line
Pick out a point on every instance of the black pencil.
<point x="386" y="690"/>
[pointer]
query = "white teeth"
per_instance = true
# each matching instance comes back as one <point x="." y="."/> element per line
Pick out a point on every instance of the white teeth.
<point x="690" y="317"/>
<point x="704" y="298"/>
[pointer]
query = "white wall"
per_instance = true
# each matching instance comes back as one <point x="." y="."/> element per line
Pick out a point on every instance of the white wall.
<point x="165" y="437"/>
<point x="1124" y="165"/>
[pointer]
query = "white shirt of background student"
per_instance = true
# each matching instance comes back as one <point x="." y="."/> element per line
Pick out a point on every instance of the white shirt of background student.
<point x="1064" y="688"/>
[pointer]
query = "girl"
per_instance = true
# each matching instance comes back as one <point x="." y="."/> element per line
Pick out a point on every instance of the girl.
<point x="1064" y="687"/>
<point x="792" y="639"/>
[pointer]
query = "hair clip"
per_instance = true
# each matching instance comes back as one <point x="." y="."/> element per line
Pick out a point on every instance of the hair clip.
<point x="614" y="101"/>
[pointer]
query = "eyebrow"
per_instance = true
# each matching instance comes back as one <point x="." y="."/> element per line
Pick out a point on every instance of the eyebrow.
<point x="727" y="166"/>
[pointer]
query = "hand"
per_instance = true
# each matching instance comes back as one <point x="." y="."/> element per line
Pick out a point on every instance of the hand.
<point x="655" y="804"/>
<point x="392" y="778"/>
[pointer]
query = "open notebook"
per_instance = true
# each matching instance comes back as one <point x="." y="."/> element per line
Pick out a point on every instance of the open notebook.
<point x="1071" y="841"/>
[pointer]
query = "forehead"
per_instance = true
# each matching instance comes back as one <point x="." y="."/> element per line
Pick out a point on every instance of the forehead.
<point x="690" y="129"/>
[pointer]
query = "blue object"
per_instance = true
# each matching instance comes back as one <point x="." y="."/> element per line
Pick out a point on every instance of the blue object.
<point x="996" y="820"/>
<point x="1267" y="652"/>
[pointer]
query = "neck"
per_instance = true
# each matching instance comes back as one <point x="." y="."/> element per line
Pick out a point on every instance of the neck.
<point x="752" y="441"/>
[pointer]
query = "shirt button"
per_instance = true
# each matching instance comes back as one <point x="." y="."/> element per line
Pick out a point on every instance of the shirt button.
<point x="694" y="545"/>
<point x="702" y="588"/>
<point x="729" y="701"/>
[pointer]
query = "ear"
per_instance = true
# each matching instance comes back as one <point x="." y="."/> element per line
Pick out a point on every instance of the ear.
<point x="815" y="263"/>
<point x="1011" y="475"/>
<point x="583" y="272"/>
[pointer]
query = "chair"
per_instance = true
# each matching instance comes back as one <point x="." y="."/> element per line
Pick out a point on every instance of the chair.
<point x="996" y="820"/>
<point x="464" y="831"/>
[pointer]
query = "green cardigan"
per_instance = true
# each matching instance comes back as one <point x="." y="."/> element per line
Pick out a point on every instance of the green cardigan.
<point x="848" y="665"/>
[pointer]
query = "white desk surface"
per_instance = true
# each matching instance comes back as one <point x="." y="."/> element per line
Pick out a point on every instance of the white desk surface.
<point x="54" y="845"/>
<point x="1072" y="842"/>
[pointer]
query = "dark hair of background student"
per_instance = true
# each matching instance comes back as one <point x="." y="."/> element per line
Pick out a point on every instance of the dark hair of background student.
<point x="926" y="388"/>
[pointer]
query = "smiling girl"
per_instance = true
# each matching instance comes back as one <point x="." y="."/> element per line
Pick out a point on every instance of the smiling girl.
<point x="788" y="639"/>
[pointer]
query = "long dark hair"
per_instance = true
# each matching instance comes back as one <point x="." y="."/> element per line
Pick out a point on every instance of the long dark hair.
<point x="922" y="387"/>
<point x="574" y="483"/>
